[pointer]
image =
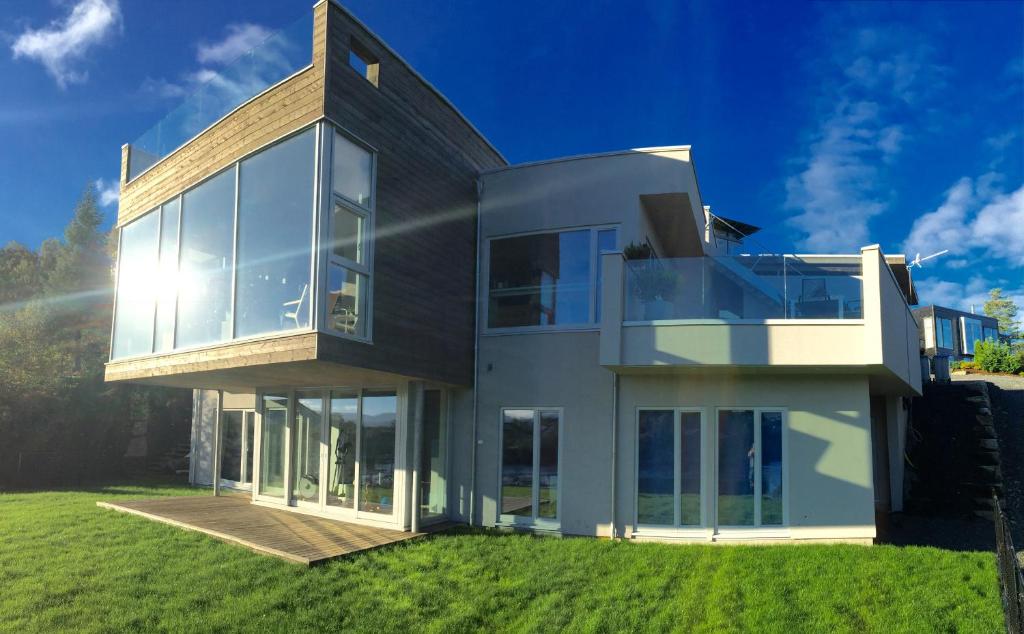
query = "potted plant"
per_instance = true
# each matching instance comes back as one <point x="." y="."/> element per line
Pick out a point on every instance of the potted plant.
<point x="653" y="283"/>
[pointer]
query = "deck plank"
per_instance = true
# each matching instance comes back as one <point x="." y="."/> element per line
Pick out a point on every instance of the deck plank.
<point x="292" y="536"/>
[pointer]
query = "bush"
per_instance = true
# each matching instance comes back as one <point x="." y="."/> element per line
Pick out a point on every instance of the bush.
<point x="994" y="356"/>
<point x="965" y="365"/>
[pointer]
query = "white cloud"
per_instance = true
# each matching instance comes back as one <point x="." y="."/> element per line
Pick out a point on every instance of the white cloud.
<point x="239" y="39"/>
<point x="107" y="192"/>
<point x="974" y="293"/>
<point x="63" y="43"/>
<point x="976" y="219"/>
<point x="872" y="78"/>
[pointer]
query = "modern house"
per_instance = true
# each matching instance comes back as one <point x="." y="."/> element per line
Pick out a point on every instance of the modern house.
<point x="947" y="332"/>
<point x="387" y="324"/>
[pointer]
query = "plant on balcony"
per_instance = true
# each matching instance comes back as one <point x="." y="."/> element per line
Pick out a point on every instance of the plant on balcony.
<point x="634" y="251"/>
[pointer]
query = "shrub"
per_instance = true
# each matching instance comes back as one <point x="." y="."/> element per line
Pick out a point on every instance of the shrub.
<point x="995" y="356"/>
<point x="966" y="365"/>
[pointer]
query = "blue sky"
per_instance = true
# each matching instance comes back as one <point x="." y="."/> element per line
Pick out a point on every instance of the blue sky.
<point x="831" y="125"/>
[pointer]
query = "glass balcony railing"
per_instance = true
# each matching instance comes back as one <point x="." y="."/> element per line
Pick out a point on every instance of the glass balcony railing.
<point x="735" y="288"/>
<point x="222" y="90"/>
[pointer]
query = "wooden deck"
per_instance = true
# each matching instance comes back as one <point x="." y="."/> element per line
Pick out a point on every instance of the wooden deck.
<point x="296" y="537"/>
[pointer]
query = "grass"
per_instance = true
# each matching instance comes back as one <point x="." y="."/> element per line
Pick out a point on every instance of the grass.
<point x="67" y="565"/>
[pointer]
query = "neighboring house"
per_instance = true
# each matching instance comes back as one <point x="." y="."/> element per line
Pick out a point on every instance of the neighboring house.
<point x="396" y="327"/>
<point x="952" y="333"/>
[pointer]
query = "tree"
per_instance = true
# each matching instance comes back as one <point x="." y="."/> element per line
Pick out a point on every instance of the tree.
<point x="19" y="274"/>
<point x="1004" y="310"/>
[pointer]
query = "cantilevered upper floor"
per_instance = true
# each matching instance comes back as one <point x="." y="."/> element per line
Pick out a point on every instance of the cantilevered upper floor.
<point x="307" y="213"/>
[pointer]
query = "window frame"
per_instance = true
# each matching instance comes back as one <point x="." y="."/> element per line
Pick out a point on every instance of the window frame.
<point x="940" y="338"/>
<point x="367" y="215"/>
<point x="592" y="299"/>
<point x="534" y="521"/>
<point x="676" y="528"/>
<point x="964" y="320"/>
<point x="739" y="530"/>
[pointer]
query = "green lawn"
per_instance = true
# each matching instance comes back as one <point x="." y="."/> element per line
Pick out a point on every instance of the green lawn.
<point x="67" y="565"/>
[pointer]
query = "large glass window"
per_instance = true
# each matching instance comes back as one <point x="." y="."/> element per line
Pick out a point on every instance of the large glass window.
<point x="167" y="278"/>
<point x="529" y="464"/>
<point x="669" y="468"/>
<point x="545" y="279"/>
<point x="349" y="250"/>
<point x="341" y="463"/>
<point x="306" y="446"/>
<point x="433" y="456"/>
<point x="944" y="333"/>
<point x="377" y="452"/>
<point x="991" y="334"/>
<point x="272" y="444"/>
<point x="204" y="278"/>
<point x="136" y="292"/>
<point x="750" y="468"/>
<point x="275" y="229"/>
<point x="972" y="333"/>
<point x="236" y="448"/>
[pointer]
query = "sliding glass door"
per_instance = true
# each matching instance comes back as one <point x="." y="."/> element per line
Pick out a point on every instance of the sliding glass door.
<point x="305" y="460"/>
<point x="433" y="457"/>
<point x="530" y="440"/>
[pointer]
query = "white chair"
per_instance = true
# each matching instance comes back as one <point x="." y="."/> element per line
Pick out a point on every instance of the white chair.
<point x="294" y="313"/>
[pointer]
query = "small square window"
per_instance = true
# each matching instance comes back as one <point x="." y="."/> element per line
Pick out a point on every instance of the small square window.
<point x="348" y="234"/>
<point x="346" y="297"/>
<point x="363" y="62"/>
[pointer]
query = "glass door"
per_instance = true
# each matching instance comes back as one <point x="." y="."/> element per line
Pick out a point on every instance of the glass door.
<point x="529" y="466"/>
<point x="305" y="458"/>
<point x="236" y="447"/>
<point x="433" y="457"/>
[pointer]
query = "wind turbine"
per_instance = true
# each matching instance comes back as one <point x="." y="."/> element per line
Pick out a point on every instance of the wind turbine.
<point x="918" y="259"/>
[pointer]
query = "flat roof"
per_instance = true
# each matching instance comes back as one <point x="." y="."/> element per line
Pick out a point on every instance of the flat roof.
<point x="580" y="157"/>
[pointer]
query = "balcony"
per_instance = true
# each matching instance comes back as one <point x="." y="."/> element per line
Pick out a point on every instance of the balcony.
<point x="279" y="56"/>
<point x="743" y="312"/>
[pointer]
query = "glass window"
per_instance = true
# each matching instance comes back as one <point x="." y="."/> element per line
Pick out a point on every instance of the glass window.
<point x="606" y="241"/>
<point x="275" y="233"/>
<point x="353" y="170"/>
<point x="972" y="333"/>
<point x="547" y="469"/>
<point x="540" y="280"/>
<point x="655" y="468"/>
<point x="167" y="279"/>
<point x="736" y="468"/>
<point x="771" y="468"/>
<point x="347" y="227"/>
<point x="136" y="292"/>
<point x="929" y="332"/>
<point x="517" y="462"/>
<point x="272" y="445"/>
<point x="231" y="448"/>
<point x="306" y="446"/>
<point x="377" y="452"/>
<point x="433" y="456"/>
<point x="689" y="468"/>
<point x="204" y="280"/>
<point x="341" y="475"/>
<point x="529" y="464"/>
<point x="945" y="333"/>
<point x="346" y="297"/>
<point x="991" y="334"/>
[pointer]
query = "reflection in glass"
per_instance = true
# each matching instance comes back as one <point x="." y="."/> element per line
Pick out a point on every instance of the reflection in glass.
<point x="655" y="469"/>
<point x="306" y="446"/>
<point x="167" y="277"/>
<point x="347" y="241"/>
<point x="136" y="293"/>
<point x="517" y="462"/>
<point x="353" y="168"/>
<point x="346" y="296"/>
<point x="689" y="469"/>
<point x="272" y="445"/>
<point x="540" y="280"/>
<point x="275" y="232"/>
<point x="231" y="446"/>
<point x="341" y="460"/>
<point x="377" y="452"/>
<point x="771" y="468"/>
<point x="432" y="456"/>
<point x="606" y="241"/>
<point x="250" y="435"/>
<point x="204" y="279"/>
<point x="736" y="468"/>
<point x="547" y="470"/>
